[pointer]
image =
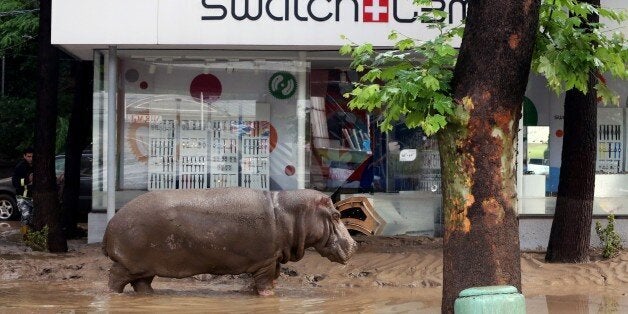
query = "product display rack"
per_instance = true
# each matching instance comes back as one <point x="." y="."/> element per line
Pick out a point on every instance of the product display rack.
<point x="162" y="160"/>
<point x="255" y="163"/>
<point x="223" y="153"/>
<point x="202" y="149"/>
<point x="429" y="173"/>
<point x="609" y="148"/>
<point x="610" y="141"/>
<point x="193" y="154"/>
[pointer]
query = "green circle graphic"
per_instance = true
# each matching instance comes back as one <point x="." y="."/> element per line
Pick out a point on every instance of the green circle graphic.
<point x="282" y="85"/>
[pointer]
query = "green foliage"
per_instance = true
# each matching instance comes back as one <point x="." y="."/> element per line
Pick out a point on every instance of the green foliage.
<point x="567" y="49"/>
<point x="37" y="240"/>
<point x="16" y="124"/>
<point x="410" y="82"/>
<point x="19" y="21"/>
<point x="610" y="239"/>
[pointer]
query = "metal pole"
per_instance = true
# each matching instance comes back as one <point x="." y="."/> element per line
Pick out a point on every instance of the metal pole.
<point x="111" y="132"/>
<point x="301" y="107"/>
<point x="519" y="168"/>
<point x="2" y="76"/>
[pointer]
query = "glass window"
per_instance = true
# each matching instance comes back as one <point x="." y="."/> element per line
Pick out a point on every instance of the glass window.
<point x="196" y="120"/>
<point x="536" y="158"/>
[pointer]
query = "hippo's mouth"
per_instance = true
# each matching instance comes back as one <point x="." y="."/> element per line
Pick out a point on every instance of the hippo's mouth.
<point x="338" y="250"/>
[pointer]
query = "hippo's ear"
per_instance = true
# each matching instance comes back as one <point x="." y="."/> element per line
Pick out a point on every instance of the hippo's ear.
<point x="323" y="200"/>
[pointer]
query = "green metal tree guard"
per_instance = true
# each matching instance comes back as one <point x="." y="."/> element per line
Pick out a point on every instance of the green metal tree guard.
<point x="490" y="299"/>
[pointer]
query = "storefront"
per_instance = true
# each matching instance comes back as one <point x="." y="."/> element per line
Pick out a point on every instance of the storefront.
<point x="202" y="94"/>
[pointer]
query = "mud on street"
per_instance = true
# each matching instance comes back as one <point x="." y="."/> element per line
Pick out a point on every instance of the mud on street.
<point x="386" y="275"/>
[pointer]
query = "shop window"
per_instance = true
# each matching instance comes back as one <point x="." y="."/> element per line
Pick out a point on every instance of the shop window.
<point x="195" y="120"/>
<point x="536" y="158"/>
<point x="610" y="141"/>
<point x="413" y="161"/>
<point x="341" y="139"/>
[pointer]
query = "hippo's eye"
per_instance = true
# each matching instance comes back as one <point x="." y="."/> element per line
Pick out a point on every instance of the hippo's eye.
<point x="336" y="216"/>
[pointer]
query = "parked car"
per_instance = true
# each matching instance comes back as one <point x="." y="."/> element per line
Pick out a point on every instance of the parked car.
<point x="8" y="203"/>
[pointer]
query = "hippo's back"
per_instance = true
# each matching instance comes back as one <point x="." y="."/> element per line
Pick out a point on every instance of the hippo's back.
<point x="204" y="230"/>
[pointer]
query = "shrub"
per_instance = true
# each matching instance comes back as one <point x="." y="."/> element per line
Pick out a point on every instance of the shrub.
<point x="610" y="239"/>
<point x="37" y="240"/>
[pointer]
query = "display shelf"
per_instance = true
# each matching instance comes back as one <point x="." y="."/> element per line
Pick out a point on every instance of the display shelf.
<point x="254" y="163"/>
<point x="429" y="171"/>
<point x="610" y="140"/>
<point x="194" y="153"/>
<point x="162" y="160"/>
<point x="609" y="143"/>
<point x="223" y="153"/>
<point x="193" y="147"/>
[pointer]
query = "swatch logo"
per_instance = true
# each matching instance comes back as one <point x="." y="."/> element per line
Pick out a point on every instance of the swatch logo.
<point x="375" y="11"/>
<point x="372" y="11"/>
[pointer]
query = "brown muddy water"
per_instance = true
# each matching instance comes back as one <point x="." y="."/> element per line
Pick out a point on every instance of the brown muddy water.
<point x="37" y="282"/>
<point x="28" y="297"/>
<point x="66" y="297"/>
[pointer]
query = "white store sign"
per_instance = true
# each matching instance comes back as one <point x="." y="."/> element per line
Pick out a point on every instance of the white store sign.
<point x="241" y="22"/>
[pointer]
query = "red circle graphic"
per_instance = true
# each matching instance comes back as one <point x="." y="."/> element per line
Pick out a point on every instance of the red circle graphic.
<point x="207" y="85"/>
<point x="289" y="170"/>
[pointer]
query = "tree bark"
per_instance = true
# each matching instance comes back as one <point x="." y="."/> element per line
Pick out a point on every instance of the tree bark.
<point x="45" y="198"/>
<point x="481" y="240"/>
<point x="570" y="236"/>
<point x="78" y="137"/>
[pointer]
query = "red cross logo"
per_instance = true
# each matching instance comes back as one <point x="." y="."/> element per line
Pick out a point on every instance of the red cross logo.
<point x="375" y="11"/>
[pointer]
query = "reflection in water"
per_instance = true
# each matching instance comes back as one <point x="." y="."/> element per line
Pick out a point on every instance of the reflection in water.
<point x="68" y="296"/>
<point x="577" y="304"/>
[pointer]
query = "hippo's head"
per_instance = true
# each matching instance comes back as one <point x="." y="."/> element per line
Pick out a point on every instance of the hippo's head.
<point x="334" y="241"/>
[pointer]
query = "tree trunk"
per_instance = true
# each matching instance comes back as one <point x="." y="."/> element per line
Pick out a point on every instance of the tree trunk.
<point x="481" y="241"/>
<point x="78" y="138"/>
<point x="45" y="198"/>
<point x="571" y="228"/>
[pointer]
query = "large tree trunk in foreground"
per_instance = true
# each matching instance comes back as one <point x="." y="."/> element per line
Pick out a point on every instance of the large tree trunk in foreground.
<point x="570" y="237"/>
<point x="481" y="241"/>
<point x="45" y="198"/>
<point x="78" y="138"/>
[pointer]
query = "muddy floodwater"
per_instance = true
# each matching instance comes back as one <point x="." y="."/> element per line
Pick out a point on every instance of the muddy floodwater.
<point x="67" y="297"/>
<point x="386" y="275"/>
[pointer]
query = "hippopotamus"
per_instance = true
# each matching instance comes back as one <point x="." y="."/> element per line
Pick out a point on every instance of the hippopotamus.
<point x="220" y="231"/>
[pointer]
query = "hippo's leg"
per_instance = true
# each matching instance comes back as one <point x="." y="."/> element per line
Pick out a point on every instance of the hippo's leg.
<point x="277" y="270"/>
<point x="142" y="285"/>
<point x="119" y="277"/>
<point x="264" y="279"/>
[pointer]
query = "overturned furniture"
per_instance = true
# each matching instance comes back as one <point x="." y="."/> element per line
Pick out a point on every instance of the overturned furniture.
<point x="359" y="215"/>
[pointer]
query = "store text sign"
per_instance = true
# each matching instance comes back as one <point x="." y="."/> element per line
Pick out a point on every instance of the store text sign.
<point x="297" y="22"/>
<point x="240" y="23"/>
<point x="367" y="11"/>
<point x="243" y="22"/>
<point x="303" y="22"/>
<point x="407" y="155"/>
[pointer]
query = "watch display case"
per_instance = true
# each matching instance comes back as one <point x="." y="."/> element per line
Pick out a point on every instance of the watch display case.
<point x="201" y="151"/>
<point x="610" y="141"/>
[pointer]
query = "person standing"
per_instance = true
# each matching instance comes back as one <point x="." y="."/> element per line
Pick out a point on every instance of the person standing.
<point x="23" y="174"/>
